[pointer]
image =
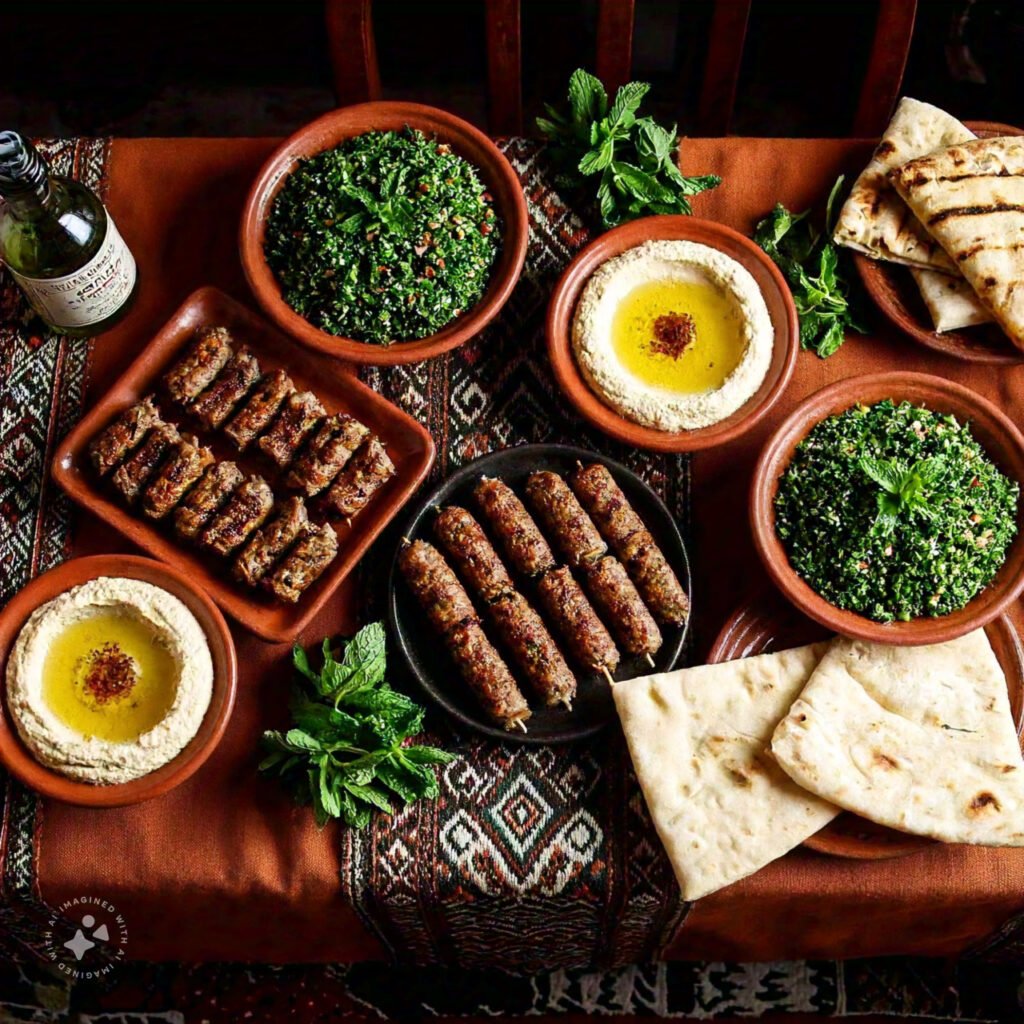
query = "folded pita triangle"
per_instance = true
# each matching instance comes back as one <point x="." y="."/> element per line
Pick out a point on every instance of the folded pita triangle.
<point x="874" y="220"/>
<point x="699" y="740"/>
<point x="950" y="300"/>
<point x="917" y="738"/>
<point x="970" y="197"/>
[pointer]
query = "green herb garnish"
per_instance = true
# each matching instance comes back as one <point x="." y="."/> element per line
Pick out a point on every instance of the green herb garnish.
<point x="636" y="158"/>
<point x="895" y="512"/>
<point x="817" y="274"/>
<point x="344" y="753"/>
<point x="387" y="237"/>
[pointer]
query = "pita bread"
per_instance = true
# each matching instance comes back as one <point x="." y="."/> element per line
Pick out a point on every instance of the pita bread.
<point x="951" y="301"/>
<point x="971" y="198"/>
<point x="917" y="738"/>
<point x="873" y="219"/>
<point x="698" y="738"/>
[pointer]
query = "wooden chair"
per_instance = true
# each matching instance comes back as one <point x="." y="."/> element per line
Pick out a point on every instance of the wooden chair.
<point x="357" y="74"/>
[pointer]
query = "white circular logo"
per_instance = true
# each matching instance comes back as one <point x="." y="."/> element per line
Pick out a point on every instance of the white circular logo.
<point x="87" y="937"/>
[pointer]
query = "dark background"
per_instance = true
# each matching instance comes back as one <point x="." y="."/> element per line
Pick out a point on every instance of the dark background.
<point x="262" y="68"/>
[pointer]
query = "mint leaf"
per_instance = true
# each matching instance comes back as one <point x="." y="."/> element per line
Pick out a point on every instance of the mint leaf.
<point x="587" y="97"/>
<point x="888" y="475"/>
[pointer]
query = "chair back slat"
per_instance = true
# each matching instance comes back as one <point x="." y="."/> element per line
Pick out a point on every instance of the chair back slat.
<point x="614" y="59"/>
<point x="888" y="60"/>
<point x="722" y="67"/>
<point x="353" y="50"/>
<point x="504" y="67"/>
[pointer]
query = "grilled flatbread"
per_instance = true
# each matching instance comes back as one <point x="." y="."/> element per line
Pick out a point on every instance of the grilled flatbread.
<point x="698" y="738"/>
<point x="971" y="198"/>
<point x="951" y="301"/>
<point x="917" y="738"/>
<point x="874" y="220"/>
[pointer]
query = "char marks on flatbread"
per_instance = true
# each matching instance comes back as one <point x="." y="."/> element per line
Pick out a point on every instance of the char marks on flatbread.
<point x="699" y="742"/>
<point x="917" y="738"/>
<point x="971" y="198"/>
<point x="874" y="220"/>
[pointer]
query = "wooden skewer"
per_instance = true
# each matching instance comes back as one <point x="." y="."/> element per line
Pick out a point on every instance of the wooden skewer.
<point x="567" y="703"/>
<point x="520" y="724"/>
<point x="607" y="675"/>
<point x="650" y="660"/>
<point x="405" y="540"/>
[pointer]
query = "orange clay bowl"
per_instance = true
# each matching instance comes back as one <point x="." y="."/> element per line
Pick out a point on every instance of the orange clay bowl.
<point x="1002" y="442"/>
<point x="17" y="758"/>
<point x="667" y="227"/>
<point x="897" y="296"/>
<point x="329" y="131"/>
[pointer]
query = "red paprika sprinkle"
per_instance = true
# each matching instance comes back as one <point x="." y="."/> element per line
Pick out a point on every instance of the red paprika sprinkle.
<point x="673" y="334"/>
<point x="111" y="673"/>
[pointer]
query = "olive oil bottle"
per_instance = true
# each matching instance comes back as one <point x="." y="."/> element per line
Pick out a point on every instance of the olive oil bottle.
<point x="60" y="244"/>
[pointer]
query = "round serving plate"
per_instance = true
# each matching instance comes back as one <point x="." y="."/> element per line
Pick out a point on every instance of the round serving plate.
<point x="993" y="430"/>
<point x="425" y="655"/>
<point x="895" y="293"/>
<point x="331" y="130"/>
<point x="17" y="758"/>
<point x="667" y="227"/>
<point x="767" y="624"/>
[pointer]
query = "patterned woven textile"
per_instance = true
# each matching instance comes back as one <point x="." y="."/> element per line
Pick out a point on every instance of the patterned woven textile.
<point x="532" y="855"/>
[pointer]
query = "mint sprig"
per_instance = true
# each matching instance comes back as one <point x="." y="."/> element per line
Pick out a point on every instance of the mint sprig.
<point x="904" y="490"/>
<point x="635" y="157"/>
<point x="345" y="753"/>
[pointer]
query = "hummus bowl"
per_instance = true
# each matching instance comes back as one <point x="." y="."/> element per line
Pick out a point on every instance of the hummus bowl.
<point x="598" y="293"/>
<point x="173" y="646"/>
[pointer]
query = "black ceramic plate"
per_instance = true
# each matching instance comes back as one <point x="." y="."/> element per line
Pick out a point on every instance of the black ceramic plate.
<point x="426" y="656"/>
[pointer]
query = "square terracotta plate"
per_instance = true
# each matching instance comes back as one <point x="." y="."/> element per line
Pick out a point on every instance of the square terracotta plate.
<point x="407" y="442"/>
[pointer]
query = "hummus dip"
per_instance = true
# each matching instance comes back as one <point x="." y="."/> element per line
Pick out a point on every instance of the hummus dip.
<point x="674" y="335"/>
<point x="110" y="680"/>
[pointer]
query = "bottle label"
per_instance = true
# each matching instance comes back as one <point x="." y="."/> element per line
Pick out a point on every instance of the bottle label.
<point x="91" y="293"/>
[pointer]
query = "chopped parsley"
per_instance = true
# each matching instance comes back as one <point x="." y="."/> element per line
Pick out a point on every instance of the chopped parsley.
<point x="388" y="237"/>
<point x="895" y="512"/>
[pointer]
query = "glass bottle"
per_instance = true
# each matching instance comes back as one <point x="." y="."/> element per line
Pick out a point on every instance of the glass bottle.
<point x="60" y="244"/>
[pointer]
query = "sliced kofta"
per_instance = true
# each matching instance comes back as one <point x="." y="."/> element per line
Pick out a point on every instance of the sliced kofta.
<point x="185" y="464"/>
<point x="466" y="544"/>
<point x="244" y="512"/>
<point x="335" y="442"/>
<point x="209" y="495"/>
<point x="259" y="409"/>
<point x="133" y="474"/>
<point x="299" y="415"/>
<point x="560" y="512"/>
<point x="231" y="385"/>
<point x="271" y="541"/>
<point x="111" y="446"/>
<point x="195" y="371"/>
<point x="367" y="471"/>
<point x="565" y="604"/>
<point x="304" y="564"/>
<point x="523" y="543"/>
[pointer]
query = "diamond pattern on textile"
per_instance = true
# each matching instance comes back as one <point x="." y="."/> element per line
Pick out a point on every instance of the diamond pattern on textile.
<point x="532" y="856"/>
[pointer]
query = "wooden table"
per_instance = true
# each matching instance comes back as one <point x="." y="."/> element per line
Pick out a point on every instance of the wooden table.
<point x="224" y="868"/>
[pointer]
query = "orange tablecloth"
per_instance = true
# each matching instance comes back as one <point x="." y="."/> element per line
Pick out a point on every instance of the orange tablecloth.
<point x="225" y="868"/>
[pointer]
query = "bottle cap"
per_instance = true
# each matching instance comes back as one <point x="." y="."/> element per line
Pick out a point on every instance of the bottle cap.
<point x="22" y="169"/>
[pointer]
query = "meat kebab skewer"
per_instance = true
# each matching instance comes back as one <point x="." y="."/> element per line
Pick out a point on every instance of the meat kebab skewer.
<point x="606" y="579"/>
<point x="451" y="613"/>
<point x="630" y="539"/>
<point x="559" y="593"/>
<point x="518" y="625"/>
<point x="195" y="371"/>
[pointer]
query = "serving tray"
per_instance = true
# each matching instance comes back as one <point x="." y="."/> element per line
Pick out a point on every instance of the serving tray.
<point x="408" y="444"/>
<point x="593" y="707"/>
<point x="767" y="624"/>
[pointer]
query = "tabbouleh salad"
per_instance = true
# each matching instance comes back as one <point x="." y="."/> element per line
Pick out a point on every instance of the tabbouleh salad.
<point x="895" y="512"/>
<point x="387" y="237"/>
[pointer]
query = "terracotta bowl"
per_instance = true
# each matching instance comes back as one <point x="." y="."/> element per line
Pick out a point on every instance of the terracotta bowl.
<point x="330" y="130"/>
<point x="1001" y="440"/>
<point x="894" y="292"/>
<point x="17" y="758"/>
<point x="672" y="228"/>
